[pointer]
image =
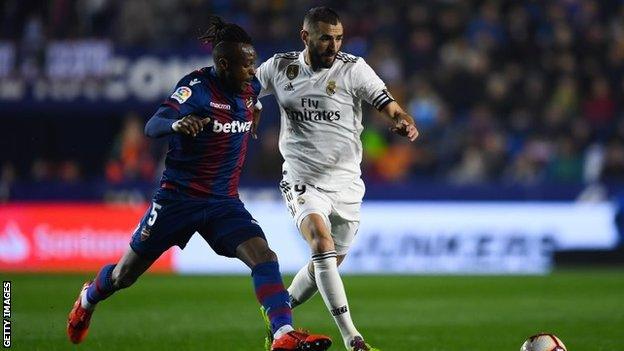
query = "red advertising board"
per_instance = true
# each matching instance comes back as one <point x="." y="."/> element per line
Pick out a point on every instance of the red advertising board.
<point x="63" y="237"/>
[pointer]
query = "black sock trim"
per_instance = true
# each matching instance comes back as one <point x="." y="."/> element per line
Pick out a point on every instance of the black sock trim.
<point x="324" y="255"/>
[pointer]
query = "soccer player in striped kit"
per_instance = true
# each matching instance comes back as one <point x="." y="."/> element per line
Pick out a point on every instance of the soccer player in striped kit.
<point x="208" y="120"/>
<point x="320" y="92"/>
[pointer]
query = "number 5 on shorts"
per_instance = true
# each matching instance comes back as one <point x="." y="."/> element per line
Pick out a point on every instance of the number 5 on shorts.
<point x="153" y="214"/>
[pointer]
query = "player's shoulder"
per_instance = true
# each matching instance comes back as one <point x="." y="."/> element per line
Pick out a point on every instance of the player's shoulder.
<point x="194" y="78"/>
<point x="286" y="56"/>
<point x="280" y="61"/>
<point x="347" y="58"/>
<point x="192" y="85"/>
<point x="348" y="64"/>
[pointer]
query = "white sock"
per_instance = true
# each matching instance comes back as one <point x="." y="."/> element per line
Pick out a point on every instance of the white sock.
<point x="302" y="288"/>
<point x="84" y="302"/>
<point x="331" y="288"/>
<point x="283" y="330"/>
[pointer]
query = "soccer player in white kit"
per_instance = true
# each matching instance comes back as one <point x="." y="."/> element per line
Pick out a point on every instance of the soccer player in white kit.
<point x="319" y="91"/>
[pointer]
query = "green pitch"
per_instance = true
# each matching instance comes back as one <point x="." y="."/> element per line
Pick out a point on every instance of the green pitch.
<point x="584" y="308"/>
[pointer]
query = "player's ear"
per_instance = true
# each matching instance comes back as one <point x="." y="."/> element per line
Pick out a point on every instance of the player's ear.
<point x="223" y="63"/>
<point x="304" y="36"/>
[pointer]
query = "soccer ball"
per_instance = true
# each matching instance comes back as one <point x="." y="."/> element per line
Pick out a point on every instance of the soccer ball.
<point x="543" y="342"/>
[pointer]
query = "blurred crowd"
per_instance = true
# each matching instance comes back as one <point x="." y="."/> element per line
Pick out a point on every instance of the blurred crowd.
<point x="502" y="91"/>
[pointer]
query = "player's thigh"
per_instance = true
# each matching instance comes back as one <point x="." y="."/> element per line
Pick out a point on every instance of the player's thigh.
<point x="345" y="216"/>
<point x="227" y="225"/>
<point x="167" y="222"/>
<point x="303" y="200"/>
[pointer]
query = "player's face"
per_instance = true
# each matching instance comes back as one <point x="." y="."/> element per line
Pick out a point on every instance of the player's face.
<point x="243" y="69"/>
<point x="324" y="42"/>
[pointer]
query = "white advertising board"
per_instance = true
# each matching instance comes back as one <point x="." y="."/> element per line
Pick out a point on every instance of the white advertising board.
<point x="433" y="238"/>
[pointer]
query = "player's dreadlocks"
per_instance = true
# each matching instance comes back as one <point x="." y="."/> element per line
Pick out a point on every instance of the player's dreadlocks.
<point x="219" y="31"/>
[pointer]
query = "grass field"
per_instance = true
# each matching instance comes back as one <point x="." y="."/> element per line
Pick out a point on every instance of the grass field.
<point x="584" y="308"/>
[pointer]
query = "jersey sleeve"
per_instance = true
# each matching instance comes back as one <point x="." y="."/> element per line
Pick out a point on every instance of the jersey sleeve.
<point x="264" y="73"/>
<point x="188" y="96"/>
<point x="369" y="87"/>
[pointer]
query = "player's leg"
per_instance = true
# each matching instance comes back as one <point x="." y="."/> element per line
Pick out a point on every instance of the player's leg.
<point x="268" y="284"/>
<point x="109" y="279"/>
<point x="273" y="297"/>
<point x="311" y="208"/>
<point x="324" y="258"/>
<point x="115" y="277"/>
<point x="327" y="231"/>
<point x="345" y="223"/>
<point x="159" y="229"/>
<point x="232" y="232"/>
<point x="303" y="285"/>
<point x="302" y="200"/>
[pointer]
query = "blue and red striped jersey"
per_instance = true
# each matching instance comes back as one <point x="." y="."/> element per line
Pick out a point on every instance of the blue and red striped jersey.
<point x="210" y="163"/>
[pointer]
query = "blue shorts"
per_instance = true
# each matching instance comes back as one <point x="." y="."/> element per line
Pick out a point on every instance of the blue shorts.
<point x="174" y="217"/>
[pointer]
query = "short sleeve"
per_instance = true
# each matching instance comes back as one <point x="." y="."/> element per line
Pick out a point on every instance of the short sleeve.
<point x="188" y="96"/>
<point x="264" y="74"/>
<point x="369" y="87"/>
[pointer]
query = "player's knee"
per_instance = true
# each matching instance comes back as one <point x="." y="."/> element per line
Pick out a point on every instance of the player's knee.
<point x="267" y="255"/>
<point x="318" y="235"/>
<point x="322" y="243"/>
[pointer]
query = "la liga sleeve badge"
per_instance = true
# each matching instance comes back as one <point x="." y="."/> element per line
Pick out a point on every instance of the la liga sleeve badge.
<point x="182" y="94"/>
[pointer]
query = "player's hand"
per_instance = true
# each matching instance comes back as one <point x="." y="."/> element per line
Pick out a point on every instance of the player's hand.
<point x="255" y="123"/>
<point x="190" y="125"/>
<point x="404" y="126"/>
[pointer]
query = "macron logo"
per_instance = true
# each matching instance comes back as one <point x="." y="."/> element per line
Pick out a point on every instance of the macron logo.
<point x="220" y="106"/>
<point x="231" y="127"/>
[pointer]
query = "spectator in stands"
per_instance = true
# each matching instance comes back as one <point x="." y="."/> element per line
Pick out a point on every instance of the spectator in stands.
<point x="130" y="157"/>
<point x="509" y="91"/>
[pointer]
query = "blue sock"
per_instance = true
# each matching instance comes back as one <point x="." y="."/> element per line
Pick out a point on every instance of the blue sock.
<point x="271" y="294"/>
<point x="102" y="287"/>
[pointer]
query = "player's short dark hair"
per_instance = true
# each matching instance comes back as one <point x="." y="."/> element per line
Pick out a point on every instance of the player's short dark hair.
<point x="219" y="31"/>
<point x="321" y="14"/>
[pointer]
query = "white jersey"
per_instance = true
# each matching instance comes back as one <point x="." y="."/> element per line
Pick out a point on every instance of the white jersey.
<point x="321" y="115"/>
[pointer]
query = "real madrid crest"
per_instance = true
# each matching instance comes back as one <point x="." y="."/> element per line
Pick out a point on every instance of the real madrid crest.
<point x="292" y="71"/>
<point x="331" y="87"/>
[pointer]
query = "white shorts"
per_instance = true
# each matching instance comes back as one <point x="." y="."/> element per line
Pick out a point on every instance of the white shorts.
<point x="340" y="209"/>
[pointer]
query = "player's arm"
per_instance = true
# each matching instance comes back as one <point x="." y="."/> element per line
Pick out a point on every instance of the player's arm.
<point x="166" y="121"/>
<point x="256" y="119"/>
<point x="403" y="123"/>
<point x="178" y="114"/>
<point x="369" y="87"/>
<point x="264" y="75"/>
